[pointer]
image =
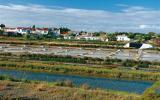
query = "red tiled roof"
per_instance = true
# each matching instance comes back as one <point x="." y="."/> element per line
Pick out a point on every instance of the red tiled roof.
<point x="10" y="28"/>
<point x="28" y="28"/>
<point x="25" y="28"/>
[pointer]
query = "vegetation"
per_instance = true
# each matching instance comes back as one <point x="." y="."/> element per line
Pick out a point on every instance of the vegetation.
<point x="45" y="40"/>
<point x="88" y="60"/>
<point x="80" y="70"/>
<point x="139" y="37"/>
<point x="105" y="63"/>
<point x="33" y="90"/>
<point x="2" y="26"/>
<point x="64" y="30"/>
<point x="153" y="93"/>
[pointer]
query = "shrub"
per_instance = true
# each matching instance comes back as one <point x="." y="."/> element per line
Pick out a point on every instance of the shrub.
<point x="68" y="83"/>
<point x="85" y="86"/>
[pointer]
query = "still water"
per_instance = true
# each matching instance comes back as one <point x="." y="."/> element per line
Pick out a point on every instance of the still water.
<point x="105" y="83"/>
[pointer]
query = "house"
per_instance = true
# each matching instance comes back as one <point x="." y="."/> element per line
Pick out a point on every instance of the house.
<point x="138" y="45"/>
<point x="23" y="30"/>
<point x="87" y="36"/>
<point x="67" y="37"/>
<point x="123" y="38"/>
<point x="56" y="31"/>
<point x="41" y="30"/>
<point x="12" y="30"/>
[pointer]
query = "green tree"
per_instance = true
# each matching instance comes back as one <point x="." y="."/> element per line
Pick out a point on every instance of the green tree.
<point x="64" y="30"/>
<point x="1" y="32"/>
<point x="34" y="26"/>
<point x="96" y="34"/>
<point x="112" y="37"/>
<point x="2" y="26"/>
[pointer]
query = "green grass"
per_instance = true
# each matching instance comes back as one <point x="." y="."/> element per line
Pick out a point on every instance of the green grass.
<point x="65" y="89"/>
<point x="152" y="93"/>
<point x="81" y="70"/>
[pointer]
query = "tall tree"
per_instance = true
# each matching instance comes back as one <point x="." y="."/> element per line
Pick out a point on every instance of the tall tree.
<point x="64" y="30"/>
<point x="34" y="26"/>
<point x="2" y="26"/>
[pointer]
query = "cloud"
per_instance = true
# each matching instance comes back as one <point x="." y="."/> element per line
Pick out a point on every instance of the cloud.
<point x="122" y="5"/>
<point x="149" y="26"/>
<point x="133" y="18"/>
<point x="142" y="26"/>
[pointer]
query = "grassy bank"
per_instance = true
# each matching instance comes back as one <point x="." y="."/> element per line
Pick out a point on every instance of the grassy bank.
<point x="80" y="60"/>
<point x="153" y="93"/>
<point x="11" y="88"/>
<point x="80" y="70"/>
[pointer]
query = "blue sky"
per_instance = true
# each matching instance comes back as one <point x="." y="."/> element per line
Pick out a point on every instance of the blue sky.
<point x="88" y="15"/>
<point x="89" y="4"/>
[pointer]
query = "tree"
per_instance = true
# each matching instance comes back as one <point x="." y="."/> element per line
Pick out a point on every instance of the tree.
<point x="131" y="35"/>
<point x="1" y="32"/>
<point x="72" y="34"/>
<point x="152" y="33"/>
<point x="63" y="30"/>
<point x="112" y="37"/>
<point x="96" y="34"/>
<point x="34" y="26"/>
<point x="2" y="26"/>
<point x="51" y="33"/>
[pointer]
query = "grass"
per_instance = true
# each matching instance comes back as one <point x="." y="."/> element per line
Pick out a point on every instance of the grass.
<point x="81" y="60"/>
<point x="152" y="93"/>
<point x="50" y="90"/>
<point x="80" y="70"/>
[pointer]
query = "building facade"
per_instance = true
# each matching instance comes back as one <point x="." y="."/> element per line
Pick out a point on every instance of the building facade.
<point x="123" y="38"/>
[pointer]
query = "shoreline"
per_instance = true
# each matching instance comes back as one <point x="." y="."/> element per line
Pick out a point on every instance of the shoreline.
<point x="87" y="71"/>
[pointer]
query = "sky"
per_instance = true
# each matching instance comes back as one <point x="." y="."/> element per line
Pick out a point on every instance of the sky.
<point x="86" y="15"/>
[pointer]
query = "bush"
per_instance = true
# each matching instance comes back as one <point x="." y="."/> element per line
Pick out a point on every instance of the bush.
<point x="68" y="83"/>
<point x="85" y="86"/>
<point x="129" y="63"/>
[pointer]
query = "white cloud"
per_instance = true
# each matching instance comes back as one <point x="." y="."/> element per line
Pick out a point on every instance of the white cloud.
<point x="122" y="5"/>
<point x="129" y="19"/>
<point x="142" y="26"/>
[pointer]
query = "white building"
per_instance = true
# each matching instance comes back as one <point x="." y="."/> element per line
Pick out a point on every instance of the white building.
<point x="42" y="30"/>
<point x="13" y="30"/>
<point x="92" y="38"/>
<point x="122" y="38"/>
<point x="56" y="31"/>
<point x="23" y="30"/>
<point x="68" y="37"/>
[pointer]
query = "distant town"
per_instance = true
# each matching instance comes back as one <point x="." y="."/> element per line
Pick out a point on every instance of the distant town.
<point x="67" y="34"/>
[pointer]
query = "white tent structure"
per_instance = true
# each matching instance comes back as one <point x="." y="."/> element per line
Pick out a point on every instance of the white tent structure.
<point x="146" y="46"/>
<point x="138" y="45"/>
